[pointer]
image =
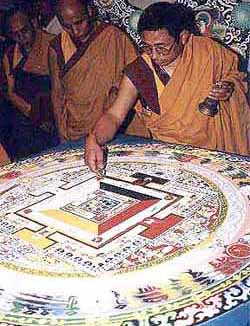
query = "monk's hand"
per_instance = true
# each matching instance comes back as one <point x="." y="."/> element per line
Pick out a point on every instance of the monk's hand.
<point x="93" y="154"/>
<point x="27" y="110"/>
<point x="222" y="90"/>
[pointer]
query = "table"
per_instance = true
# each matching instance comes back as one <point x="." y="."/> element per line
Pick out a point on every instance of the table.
<point x="163" y="239"/>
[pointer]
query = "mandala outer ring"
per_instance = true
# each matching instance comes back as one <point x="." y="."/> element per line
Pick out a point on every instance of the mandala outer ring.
<point x="226" y="284"/>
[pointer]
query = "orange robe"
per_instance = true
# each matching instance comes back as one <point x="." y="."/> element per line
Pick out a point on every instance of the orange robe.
<point x="4" y="159"/>
<point x="202" y="63"/>
<point x="31" y="81"/>
<point x="86" y="77"/>
<point x="27" y="125"/>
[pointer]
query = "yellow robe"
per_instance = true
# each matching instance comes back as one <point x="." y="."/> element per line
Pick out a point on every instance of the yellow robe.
<point x="88" y="81"/>
<point x="4" y="159"/>
<point x="34" y="86"/>
<point x="203" y="62"/>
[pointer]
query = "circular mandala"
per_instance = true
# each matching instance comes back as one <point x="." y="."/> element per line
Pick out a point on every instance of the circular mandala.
<point x="164" y="229"/>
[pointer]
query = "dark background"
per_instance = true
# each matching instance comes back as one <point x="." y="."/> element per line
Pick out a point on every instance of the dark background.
<point x="8" y="4"/>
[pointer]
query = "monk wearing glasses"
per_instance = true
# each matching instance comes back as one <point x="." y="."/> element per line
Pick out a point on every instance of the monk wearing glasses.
<point x="177" y="71"/>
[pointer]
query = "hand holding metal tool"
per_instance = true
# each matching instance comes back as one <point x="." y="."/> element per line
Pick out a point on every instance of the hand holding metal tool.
<point x="100" y="173"/>
<point x="221" y="91"/>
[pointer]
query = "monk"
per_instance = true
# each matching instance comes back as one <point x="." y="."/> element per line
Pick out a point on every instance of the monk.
<point x="29" y="118"/>
<point x="86" y="63"/>
<point x="175" y="74"/>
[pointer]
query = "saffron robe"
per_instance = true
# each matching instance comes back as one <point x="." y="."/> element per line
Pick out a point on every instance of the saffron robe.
<point x="30" y="74"/>
<point x="171" y="113"/>
<point x="27" y="124"/>
<point x="4" y="159"/>
<point x="85" y="78"/>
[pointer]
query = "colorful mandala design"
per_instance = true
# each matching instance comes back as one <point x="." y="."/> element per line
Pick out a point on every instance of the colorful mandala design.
<point x="163" y="239"/>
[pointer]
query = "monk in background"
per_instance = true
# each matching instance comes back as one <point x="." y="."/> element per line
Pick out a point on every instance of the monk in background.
<point x="175" y="74"/>
<point x="86" y="64"/>
<point x="29" y="118"/>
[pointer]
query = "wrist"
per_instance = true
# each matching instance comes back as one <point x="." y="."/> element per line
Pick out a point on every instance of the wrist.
<point x="92" y="136"/>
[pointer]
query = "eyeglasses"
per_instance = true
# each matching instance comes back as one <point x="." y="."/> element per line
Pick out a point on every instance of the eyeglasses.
<point x="161" y="50"/>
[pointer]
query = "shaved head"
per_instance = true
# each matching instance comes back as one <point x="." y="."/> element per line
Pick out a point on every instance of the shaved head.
<point x="21" y="29"/>
<point x="71" y="4"/>
<point x="75" y="17"/>
<point x="18" y="18"/>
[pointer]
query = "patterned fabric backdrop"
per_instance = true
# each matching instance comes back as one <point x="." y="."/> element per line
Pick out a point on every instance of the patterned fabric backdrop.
<point x="226" y="20"/>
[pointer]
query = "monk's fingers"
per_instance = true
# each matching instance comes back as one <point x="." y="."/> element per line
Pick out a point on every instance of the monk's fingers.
<point x="220" y="95"/>
<point x="221" y="91"/>
<point x="99" y="159"/>
<point x="94" y="159"/>
<point x="93" y="153"/>
<point x="90" y="159"/>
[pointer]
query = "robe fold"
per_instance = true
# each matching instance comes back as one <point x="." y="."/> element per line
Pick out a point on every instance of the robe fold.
<point x="89" y="77"/>
<point x="203" y="63"/>
<point x="31" y="79"/>
<point x="4" y="159"/>
<point x="27" y="121"/>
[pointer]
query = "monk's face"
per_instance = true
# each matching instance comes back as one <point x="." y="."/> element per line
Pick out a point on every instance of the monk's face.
<point x="21" y="30"/>
<point x="161" y="46"/>
<point x="75" y="19"/>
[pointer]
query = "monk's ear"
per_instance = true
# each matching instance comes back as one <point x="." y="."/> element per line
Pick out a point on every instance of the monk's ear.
<point x="184" y="37"/>
<point x="92" y="10"/>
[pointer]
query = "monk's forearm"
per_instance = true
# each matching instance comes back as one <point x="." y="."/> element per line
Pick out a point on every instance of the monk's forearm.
<point x="20" y="103"/>
<point x="57" y="106"/>
<point x="14" y="98"/>
<point x="59" y="113"/>
<point x="106" y="128"/>
<point x="57" y="95"/>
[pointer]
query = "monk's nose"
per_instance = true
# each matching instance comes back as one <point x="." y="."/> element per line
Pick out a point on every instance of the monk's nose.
<point x="154" y="54"/>
<point x="76" y="30"/>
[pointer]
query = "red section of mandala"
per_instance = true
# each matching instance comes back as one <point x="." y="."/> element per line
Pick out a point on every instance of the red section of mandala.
<point x="157" y="226"/>
<point x="125" y="215"/>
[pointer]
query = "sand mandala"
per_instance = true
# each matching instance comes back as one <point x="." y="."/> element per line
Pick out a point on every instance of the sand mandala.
<point x="162" y="239"/>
